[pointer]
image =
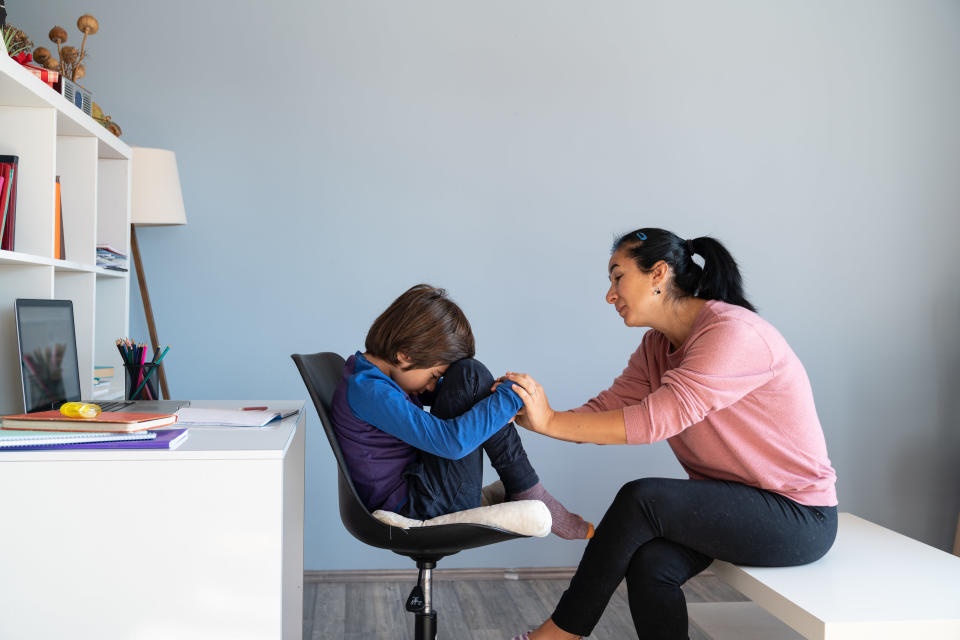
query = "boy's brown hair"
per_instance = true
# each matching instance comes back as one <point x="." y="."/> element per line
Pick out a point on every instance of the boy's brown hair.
<point x="424" y="325"/>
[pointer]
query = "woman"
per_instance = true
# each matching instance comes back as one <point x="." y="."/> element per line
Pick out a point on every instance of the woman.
<point x="724" y="389"/>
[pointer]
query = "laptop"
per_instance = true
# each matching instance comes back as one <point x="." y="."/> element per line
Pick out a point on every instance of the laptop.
<point x="49" y="372"/>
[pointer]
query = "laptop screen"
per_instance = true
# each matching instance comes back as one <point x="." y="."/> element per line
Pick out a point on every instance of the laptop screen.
<point x="48" y="354"/>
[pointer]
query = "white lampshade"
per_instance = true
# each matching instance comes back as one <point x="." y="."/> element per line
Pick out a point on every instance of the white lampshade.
<point x="156" y="197"/>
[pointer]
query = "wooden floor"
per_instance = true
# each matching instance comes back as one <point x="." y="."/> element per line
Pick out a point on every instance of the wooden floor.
<point x="468" y="609"/>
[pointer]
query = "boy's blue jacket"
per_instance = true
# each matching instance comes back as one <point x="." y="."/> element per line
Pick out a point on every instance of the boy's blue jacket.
<point x="380" y="429"/>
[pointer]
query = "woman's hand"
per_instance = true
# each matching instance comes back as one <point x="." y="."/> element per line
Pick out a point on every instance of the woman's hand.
<point x="605" y="427"/>
<point x="536" y="413"/>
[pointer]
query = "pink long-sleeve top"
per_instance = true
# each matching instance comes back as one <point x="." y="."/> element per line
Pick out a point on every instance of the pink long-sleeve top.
<point x="734" y="403"/>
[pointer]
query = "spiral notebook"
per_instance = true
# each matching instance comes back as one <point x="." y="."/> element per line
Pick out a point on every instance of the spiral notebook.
<point x="166" y="439"/>
<point x="11" y="439"/>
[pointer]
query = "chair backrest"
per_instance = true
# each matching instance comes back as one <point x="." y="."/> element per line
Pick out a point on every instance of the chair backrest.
<point x="321" y="374"/>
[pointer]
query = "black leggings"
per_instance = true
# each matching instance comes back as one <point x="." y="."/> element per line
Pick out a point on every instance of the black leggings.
<point x="659" y="532"/>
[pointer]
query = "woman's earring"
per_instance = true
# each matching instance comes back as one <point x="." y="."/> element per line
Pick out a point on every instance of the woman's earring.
<point x="656" y="292"/>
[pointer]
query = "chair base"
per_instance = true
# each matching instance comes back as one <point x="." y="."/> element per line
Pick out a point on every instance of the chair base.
<point x="425" y="627"/>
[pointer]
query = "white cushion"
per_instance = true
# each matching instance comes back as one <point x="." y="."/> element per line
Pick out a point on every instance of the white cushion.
<point x="526" y="517"/>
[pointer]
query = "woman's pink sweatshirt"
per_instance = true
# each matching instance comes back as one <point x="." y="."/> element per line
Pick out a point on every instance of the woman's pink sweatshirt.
<point x="733" y="401"/>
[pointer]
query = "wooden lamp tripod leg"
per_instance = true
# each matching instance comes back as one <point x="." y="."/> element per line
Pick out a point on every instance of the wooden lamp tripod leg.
<point x="147" y="308"/>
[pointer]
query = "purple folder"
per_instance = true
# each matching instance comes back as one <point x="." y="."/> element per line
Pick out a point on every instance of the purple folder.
<point x="162" y="441"/>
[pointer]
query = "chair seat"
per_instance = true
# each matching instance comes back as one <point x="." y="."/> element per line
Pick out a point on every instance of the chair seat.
<point x="523" y="517"/>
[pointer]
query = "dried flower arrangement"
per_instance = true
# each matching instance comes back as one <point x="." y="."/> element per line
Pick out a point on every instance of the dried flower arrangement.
<point x="69" y="61"/>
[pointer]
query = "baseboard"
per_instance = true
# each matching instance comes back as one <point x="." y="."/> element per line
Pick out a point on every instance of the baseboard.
<point x="401" y="575"/>
<point x="410" y="575"/>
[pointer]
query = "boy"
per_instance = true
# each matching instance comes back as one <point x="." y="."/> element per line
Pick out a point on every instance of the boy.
<point x="419" y="464"/>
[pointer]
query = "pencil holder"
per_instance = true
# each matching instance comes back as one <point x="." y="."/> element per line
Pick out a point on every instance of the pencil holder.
<point x="135" y="374"/>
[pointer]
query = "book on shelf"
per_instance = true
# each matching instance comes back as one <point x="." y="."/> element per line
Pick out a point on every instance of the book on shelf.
<point x="164" y="439"/>
<point x="9" y="170"/>
<point x="110" y="249"/>
<point x="58" y="249"/>
<point x="113" y="421"/>
<point x="110" y="258"/>
<point x="20" y="439"/>
<point x="103" y="371"/>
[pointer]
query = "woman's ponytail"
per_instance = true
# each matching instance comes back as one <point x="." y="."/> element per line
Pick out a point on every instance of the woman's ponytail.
<point x="721" y="278"/>
<point x="718" y="279"/>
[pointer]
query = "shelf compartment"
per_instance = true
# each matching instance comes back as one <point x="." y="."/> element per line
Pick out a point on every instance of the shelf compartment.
<point x="112" y="322"/>
<point x="17" y="281"/>
<point x="77" y="167"/>
<point x="79" y="287"/>
<point x="113" y="204"/>
<point x="30" y="134"/>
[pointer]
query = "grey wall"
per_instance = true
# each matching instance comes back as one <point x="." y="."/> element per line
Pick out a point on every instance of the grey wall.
<point x="334" y="153"/>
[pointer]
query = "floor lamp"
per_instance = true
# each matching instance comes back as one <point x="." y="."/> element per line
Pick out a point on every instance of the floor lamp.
<point x="156" y="200"/>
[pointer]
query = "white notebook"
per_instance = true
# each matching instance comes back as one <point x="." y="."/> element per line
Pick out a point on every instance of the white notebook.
<point x="12" y="438"/>
<point x="200" y="417"/>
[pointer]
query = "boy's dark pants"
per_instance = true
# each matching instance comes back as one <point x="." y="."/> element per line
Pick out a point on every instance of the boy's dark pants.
<point x="437" y="485"/>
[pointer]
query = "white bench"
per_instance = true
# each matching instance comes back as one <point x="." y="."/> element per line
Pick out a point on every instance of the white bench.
<point x="874" y="583"/>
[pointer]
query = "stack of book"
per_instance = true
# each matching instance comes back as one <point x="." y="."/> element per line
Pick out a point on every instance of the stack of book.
<point x="110" y="258"/>
<point x="52" y="430"/>
<point x="102" y="378"/>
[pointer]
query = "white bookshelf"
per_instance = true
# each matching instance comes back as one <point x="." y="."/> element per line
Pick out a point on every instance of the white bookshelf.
<point x="53" y="137"/>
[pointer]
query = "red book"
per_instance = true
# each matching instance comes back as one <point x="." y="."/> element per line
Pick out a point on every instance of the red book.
<point x="3" y="218"/>
<point x="10" y="205"/>
<point x="6" y="171"/>
<point x="112" y="421"/>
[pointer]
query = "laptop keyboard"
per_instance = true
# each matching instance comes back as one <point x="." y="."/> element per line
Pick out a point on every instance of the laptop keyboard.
<point x="114" y="405"/>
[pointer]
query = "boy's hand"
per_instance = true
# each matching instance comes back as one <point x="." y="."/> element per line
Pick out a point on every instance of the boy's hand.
<point x="536" y="412"/>
<point x="496" y="384"/>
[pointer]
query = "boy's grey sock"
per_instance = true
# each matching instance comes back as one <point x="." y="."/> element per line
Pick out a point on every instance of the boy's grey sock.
<point x="568" y="526"/>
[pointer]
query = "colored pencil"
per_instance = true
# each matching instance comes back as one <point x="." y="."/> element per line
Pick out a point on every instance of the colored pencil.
<point x="150" y="372"/>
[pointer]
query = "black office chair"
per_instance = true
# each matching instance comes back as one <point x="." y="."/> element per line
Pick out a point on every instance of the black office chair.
<point x="321" y="373"/>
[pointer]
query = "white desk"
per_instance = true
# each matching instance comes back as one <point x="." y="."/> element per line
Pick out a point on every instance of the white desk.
<point x="205" y="541"/>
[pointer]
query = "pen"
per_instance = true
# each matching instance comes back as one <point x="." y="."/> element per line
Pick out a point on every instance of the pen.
<point x="254" y="408"/>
